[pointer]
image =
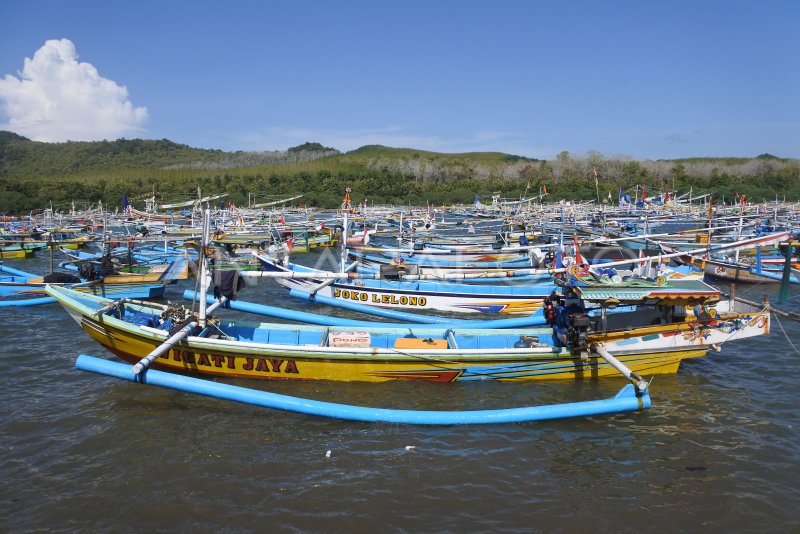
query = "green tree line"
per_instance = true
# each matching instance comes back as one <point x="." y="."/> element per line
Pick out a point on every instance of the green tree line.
<point x="36" y="175"/>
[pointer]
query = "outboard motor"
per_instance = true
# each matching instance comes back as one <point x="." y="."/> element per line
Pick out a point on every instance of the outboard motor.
<point x="395" y="271"/>
<point x="87" y="272"/>
<point x="549" y="310"/>
<point x="578" y="329"/>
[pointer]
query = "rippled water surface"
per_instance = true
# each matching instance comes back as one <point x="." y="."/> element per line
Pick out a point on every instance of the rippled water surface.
<point x="720" y="449"/>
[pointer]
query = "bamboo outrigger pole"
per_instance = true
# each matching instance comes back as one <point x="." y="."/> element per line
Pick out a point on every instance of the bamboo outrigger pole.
<point x="640" y="384"/>
<point x="144" y="363"/>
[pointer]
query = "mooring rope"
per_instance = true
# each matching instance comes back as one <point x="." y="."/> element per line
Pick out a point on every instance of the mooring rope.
<point x="785" y="334"/>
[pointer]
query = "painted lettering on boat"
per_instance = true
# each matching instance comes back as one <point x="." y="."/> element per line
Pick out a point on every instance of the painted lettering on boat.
<point x="261" y="365"/>
<point x="360" y="296"/>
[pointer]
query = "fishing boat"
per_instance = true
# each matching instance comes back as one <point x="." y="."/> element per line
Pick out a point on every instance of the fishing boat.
<point x="149" y="216"/>
<point x="544" y="257"/>
<point x="671" y="321"/>
<point x="758" y="269"/>
<point x="730" y="270"/>
<point x="149" y="284"/>
<point x="425" y="252"/>
<point x="12" y="279"/>
<point x="474" y="272"/>
<point x="412" y="295"/>
<point x="302" y="240"/>
<point x="15" y="252"/>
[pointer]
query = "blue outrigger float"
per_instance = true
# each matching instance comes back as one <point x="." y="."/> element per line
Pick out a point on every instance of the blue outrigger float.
<point x="629" y="399"/>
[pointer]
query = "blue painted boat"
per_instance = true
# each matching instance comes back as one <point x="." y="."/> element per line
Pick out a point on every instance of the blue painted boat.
<point x="20" y="288"/>
<point x="417" y="295"/>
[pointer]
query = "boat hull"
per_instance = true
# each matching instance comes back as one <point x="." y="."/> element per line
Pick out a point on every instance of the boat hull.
<point x="441" y="301"/>
<point x="734" y="272"/>
<point x="197" y="356"/>
<point x="423" y="296"/>
<point x="658" y="350"/>
<point x="16" y="254"/>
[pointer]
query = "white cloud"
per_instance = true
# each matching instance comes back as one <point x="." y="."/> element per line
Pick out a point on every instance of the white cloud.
<point x="57" y="98"/>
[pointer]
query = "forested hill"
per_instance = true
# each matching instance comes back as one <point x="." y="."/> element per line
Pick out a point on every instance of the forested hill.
<point x="36" y="174"/>
<point x="21" y="157"/>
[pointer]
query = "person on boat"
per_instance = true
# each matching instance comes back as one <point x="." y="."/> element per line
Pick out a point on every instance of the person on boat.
<point x="107" y="266"/>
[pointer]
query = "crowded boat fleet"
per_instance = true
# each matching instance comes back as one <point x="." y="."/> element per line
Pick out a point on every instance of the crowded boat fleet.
<point x="516" y="290"/>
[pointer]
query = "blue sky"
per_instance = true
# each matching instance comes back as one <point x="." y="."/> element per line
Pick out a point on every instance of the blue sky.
<point x="649" y="80"/>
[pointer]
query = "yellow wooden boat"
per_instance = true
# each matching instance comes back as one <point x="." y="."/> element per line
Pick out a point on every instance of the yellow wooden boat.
<point x="15" y="252"/>
<point x="648" y="340"/>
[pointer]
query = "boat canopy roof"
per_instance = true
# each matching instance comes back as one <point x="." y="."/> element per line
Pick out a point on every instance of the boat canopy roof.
<point x="672" y="293"/>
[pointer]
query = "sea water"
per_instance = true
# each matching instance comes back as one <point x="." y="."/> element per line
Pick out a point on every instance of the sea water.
<point x="718" y="451"/>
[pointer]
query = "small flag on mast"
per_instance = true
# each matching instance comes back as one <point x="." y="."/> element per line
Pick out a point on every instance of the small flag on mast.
<point x="578" y="259"/>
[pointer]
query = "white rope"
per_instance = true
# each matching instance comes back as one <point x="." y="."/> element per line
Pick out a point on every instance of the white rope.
<point x="785" y="334"/>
